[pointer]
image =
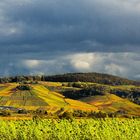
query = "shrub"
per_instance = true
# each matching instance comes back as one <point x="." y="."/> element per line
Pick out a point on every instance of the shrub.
<point x="80" y="113"/>
<point x="41" y="111"/>
<point x="6" y="113"/>
<point x="66" y="115"/>
<point x="22" y="111"/>
<point x="24" y="87"/>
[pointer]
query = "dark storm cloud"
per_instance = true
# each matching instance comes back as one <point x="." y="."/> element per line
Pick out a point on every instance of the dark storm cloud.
<point x="59" y="21"/>
<point x="45" y="30"/>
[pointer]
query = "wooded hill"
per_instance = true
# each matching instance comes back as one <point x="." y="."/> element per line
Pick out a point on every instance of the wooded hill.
<point x="91" y="77"/>
<point x="74" y="77"/>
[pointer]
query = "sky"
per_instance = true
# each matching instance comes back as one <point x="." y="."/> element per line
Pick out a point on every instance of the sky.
<point x="62" y="36"/>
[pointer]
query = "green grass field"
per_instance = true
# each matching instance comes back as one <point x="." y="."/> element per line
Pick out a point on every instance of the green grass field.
<point x="83" y="129"/>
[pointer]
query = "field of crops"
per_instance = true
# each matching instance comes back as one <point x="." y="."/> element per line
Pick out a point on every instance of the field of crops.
<point x="38" y="96"/>
<point x="83" y="129"/>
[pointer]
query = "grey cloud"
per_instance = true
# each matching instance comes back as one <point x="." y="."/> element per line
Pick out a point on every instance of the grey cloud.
<point x="74" y="21"/>
<point x="46" y="30"/>
<point x="121" y="64"/>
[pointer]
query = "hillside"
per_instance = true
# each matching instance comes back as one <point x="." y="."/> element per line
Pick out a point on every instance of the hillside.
<point x="91" y="77"/>
<point x="74" y="77"/>
<point x="38" y="96"/>
<point x="58" y="97"/>
<point x="96" y="94"/>
<point x="112" y="103"/>
<point x="78" y="90"/>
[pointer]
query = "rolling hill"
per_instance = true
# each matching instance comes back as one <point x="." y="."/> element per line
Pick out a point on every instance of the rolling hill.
<point x="38" y="96"/>
<point x="74" y="77"/>
<point x="91" y="77"/>
<point x="71" y="96"/>
<point x="112" y="103"/>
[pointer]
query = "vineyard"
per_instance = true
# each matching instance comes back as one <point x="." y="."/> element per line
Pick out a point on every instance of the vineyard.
<point x="69" y="111"/>
<point x="83" y="129"/>
<point x="57" y="98"/>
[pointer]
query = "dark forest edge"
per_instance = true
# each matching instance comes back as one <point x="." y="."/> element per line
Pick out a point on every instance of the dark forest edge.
<point x="89" y="89"/>
<point x="74" y="77"/>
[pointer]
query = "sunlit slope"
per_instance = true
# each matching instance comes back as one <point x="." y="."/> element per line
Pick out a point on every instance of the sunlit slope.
<point x="31" y="99"/>
<point x="75" y="104"/>
<point x="56" y="99"/>
<point x="38" y="96"/>
<point x="51" y="98"/>
<point x="113" y="103"/>
<point x="7" y="89"/>
<point x="24" y="99"/>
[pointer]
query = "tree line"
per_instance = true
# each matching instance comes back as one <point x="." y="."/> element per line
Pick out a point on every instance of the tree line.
<point x="74" y="77"/>
<point x="87" y="90"/>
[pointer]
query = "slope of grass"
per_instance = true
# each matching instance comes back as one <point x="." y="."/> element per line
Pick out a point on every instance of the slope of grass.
<point x="48" y="96"/>
<point x="6" y="90"/>
<point x="56" y="99"/>
<point x="113" y="103"/>
<point x="39" y="96"/>
<point x="30" y="99"/>
<point x="75" y="104"/>
<point x="25" y="99"/>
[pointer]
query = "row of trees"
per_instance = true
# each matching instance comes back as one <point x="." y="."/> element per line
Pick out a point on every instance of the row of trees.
<point x="40" y="112"/>
<point x="62" y="114"/>
<point x="20" y="79"/>
<point x="24" y="87"/>
<point x="87" y="90"/>
<point x="74" y="77"/>
<point x="133" y="94"/>
<point x="91" y="77"/>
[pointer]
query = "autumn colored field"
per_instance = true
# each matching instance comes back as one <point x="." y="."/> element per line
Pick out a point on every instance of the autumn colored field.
<point x="50" y="96"/>
<point x="39" y="96"/>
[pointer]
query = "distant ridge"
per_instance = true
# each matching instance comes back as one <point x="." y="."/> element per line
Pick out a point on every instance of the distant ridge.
<point x="91" y="77"/>
<point x="74" y="77"/>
